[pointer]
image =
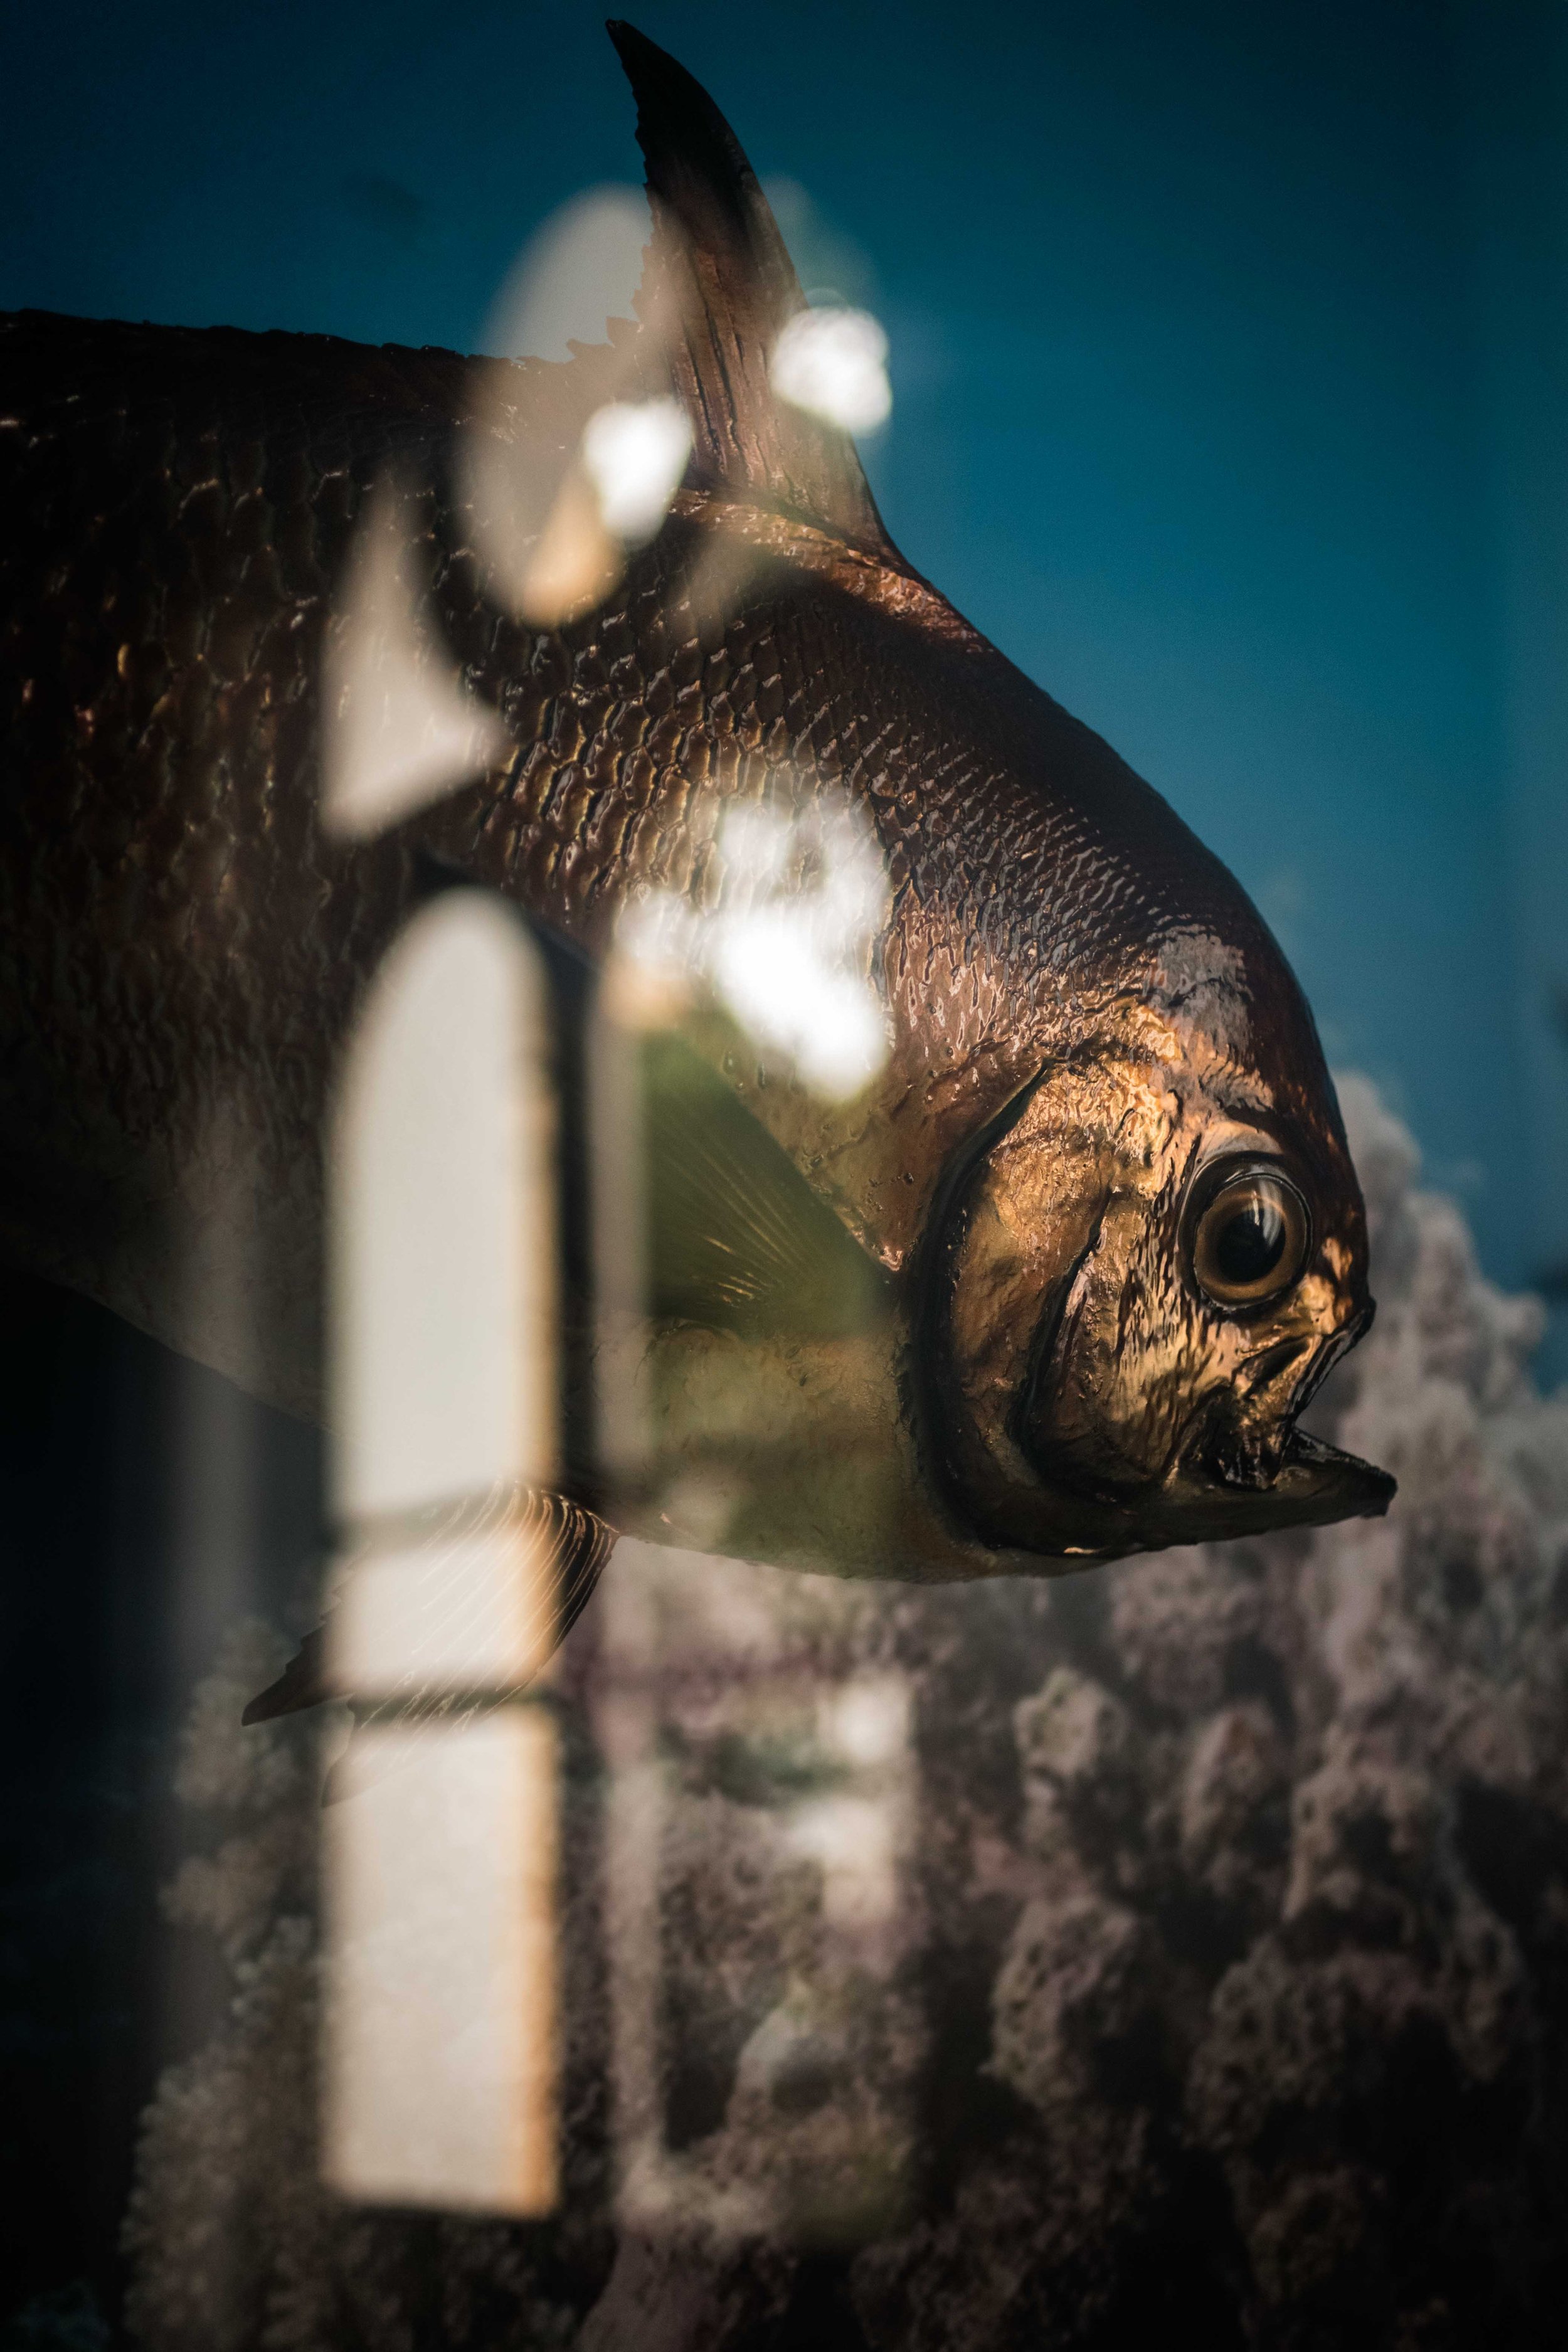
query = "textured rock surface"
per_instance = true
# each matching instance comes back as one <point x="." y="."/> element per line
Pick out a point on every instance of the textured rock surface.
<point x="1223" y="1981"/>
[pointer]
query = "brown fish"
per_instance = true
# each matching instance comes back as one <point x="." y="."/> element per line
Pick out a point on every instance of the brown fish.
<point x="1059" y="1277"/>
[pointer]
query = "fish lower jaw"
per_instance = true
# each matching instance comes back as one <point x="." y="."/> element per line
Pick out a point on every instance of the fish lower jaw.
<point x="1238" y="1486"/>
<point x="1214" y="1491"/>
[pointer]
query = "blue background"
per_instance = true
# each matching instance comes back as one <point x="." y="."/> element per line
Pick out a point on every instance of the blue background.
<point x="1230" y="354"/>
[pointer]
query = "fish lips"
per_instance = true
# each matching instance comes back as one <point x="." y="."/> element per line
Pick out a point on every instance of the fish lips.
<point x="1297" y="1479"/>
<point x="1244" y="1465"/>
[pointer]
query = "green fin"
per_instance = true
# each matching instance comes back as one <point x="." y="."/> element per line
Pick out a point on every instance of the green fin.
<point x="738" y="1240"/>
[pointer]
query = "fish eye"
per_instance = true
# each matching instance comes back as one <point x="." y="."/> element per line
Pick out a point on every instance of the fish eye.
<point x="1250" y="1238"/>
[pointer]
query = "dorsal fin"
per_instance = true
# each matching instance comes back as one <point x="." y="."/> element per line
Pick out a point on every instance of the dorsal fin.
<point x="723" y="287"/>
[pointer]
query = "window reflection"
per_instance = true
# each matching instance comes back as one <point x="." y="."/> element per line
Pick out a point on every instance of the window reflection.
<point x="439" y="1852"/>
<point x="440" y="2030"/>
<point x="765" y="2047"/>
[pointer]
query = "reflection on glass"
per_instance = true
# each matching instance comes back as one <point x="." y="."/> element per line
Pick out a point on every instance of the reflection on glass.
<point x="565" y="469"/>
<point x="634" y="452"/>
<point x="833" y="363"/>
<point x="580" y="269"/>
<point x="765" y="2047"/>
<point x="784" y="942"/>
<point x="743" y="1350"/>
<point x="611" y="498"/>
<point x="444" y="1266"/>
<point x="440" y="1855"/>
<point x="401" y="728"/>
<point x="440" y="1877"/>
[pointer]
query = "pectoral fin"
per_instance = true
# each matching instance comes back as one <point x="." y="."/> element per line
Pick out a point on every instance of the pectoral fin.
<point x="566" y="1546"/>
<point x="738" y="1239"/>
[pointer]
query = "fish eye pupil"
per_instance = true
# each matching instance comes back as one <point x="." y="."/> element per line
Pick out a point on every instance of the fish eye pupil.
<point x="1251" y="1240"/>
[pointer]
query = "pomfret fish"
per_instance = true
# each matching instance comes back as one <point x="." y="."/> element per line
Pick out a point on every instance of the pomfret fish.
<point x="1098" y="1197"/>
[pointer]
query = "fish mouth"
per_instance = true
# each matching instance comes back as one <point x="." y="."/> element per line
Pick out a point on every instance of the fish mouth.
<point x="1216" y="1490"/>
<point x="1243" y="1473"/>
<point x="1239" y="1472"/>
<point x="1296" y="1479"/>
<point x="1309" y="1484"/>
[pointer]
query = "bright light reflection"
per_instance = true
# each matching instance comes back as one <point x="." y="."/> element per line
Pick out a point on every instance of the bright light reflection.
<point x="440" y="1899"/>
<point x="566" y="470"/>
<point x="866" y="1721"/>
<point x="788" y="943"/>
<point x="635" y="453"/>
<point x="473" y="1611"/>
<point x="834" y="363"/>
<point x="576" y="273"/>
<point x="402" y="731"/>
<point x="442" y="1288"/>
<point x="438" y="2069"/>
<point x="856" y="1842"/>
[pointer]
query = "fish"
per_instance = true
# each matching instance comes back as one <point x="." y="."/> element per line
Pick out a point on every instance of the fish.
<point x="1055" y="1284"/>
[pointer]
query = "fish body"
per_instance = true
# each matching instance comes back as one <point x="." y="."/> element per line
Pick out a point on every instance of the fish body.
<point x="1099" y="1188"/>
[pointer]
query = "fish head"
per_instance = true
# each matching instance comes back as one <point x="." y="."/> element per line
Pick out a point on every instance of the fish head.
<point x="1142" y="1272"/>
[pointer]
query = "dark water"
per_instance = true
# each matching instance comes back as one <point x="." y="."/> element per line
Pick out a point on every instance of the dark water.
<point x="143" y="1505"/>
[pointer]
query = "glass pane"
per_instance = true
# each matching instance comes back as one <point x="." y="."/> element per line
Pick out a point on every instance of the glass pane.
<point x="722" y="1627"/>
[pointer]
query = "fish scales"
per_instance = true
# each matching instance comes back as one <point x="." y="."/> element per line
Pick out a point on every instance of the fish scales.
<point x="1097" y="1050"/>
